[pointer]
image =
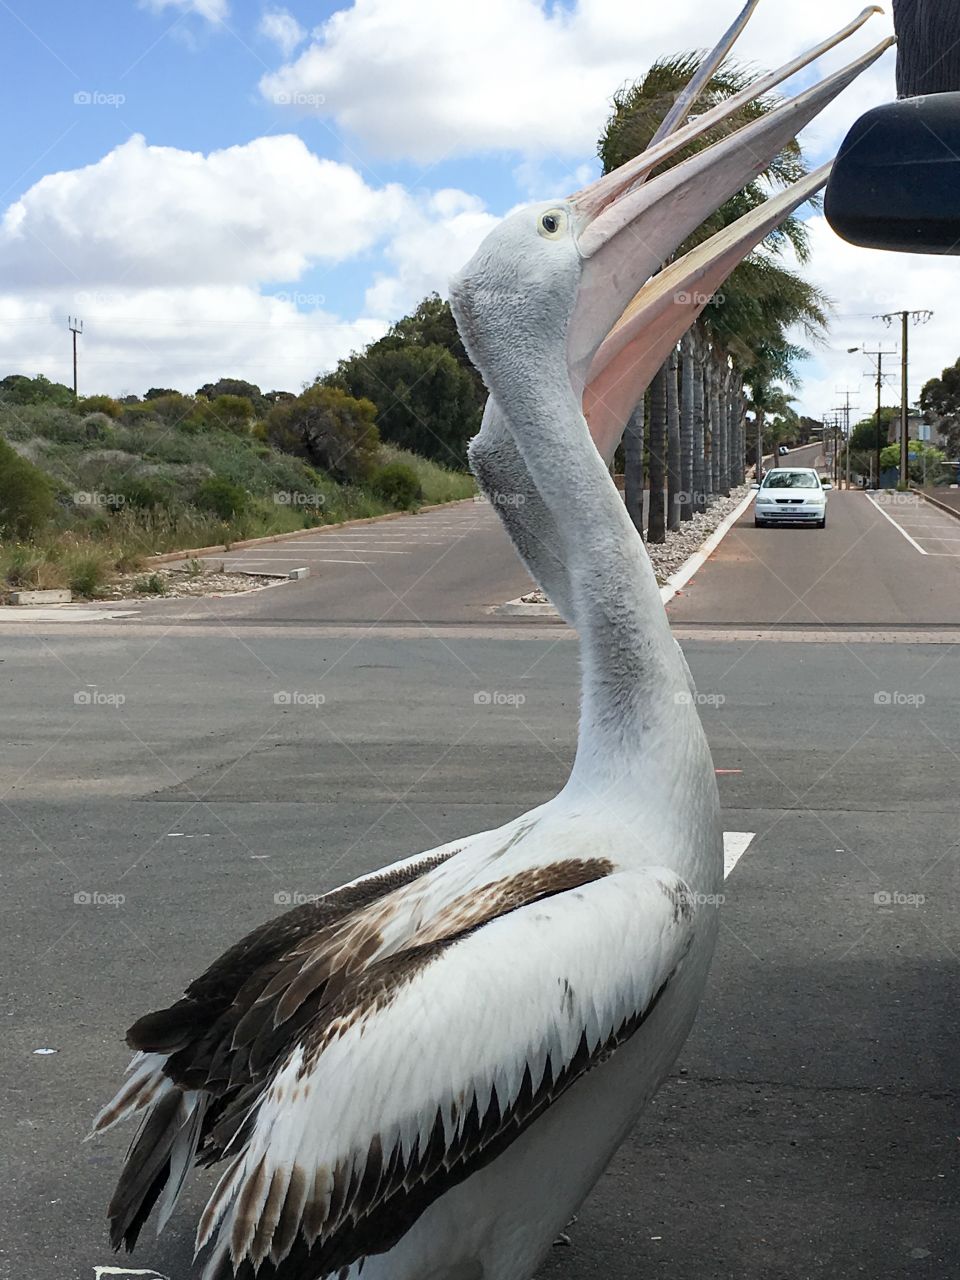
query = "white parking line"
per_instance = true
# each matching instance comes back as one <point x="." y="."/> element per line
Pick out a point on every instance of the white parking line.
<point x="240" y="564"/>
<point x="899" y="528"/>
<point x="303" y="555"/>
<point x="735" y="845"/>
<point x="363" y="546"/>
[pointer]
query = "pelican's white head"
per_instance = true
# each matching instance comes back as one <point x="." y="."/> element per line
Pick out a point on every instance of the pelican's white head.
<point x="514" y="298"/>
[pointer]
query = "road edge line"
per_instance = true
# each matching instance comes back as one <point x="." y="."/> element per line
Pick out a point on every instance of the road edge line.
<point x="916" y="545"/>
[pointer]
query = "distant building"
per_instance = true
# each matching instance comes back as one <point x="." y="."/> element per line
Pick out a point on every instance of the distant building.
<point x="917" y="429"/>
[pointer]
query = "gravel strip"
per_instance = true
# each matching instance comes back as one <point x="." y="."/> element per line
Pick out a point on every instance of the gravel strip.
<point x="667" y="557"/>
<point x="166" y="581"/>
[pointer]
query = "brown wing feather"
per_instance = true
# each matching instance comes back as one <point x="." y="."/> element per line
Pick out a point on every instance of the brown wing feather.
<point x="197" y="1032"/>
<point x="302" y="979"/>
<point x="372" y="1213"/>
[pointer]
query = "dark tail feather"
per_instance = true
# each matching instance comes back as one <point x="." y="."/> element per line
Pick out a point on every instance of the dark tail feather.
<point x="145" y="1170"/>
<point x="167" y="1030"/>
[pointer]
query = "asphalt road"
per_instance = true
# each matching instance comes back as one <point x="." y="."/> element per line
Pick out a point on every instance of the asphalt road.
<point x="207" y="768"/>
<point x="447" y="565"/>
<point x="889" y="560"/>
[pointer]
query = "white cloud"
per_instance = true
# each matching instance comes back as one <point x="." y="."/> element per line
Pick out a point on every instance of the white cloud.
<point x="178" y="337"/>
<point x="864" y="284"/>
<point x="165" y="254"/>
<point x="212" y="10"/>
<point x="435" y="240"/>
<point x="148" y="215"/>
<point x="515" y="75"/>
<point x="283" y="29"/>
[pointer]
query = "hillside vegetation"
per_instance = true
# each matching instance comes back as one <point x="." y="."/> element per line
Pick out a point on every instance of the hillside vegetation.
<point x="92" y="487"/>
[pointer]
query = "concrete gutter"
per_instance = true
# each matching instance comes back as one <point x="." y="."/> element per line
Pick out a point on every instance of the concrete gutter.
<point x="167" y="557"/>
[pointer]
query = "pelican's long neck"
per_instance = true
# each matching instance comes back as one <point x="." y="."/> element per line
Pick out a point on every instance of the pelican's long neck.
<point x="633" y="671"/>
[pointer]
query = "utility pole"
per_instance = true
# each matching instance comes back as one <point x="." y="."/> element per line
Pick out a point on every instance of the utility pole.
<point x="845" y="410"/>
<point x="831" y="430"/>
<point x="880" y="356"/>
<point x="918" y="317"/>
<point x="75" y="326"/>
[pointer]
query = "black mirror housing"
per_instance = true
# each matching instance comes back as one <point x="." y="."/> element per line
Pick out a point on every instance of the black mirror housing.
<point x="896" y="181"/>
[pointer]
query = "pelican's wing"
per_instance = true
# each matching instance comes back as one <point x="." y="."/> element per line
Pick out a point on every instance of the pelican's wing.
<point x="435" y="1059"/>
<point x="189" y="1067"/>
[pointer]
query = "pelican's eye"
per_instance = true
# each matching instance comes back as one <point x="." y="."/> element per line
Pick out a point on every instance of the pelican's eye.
<point x="551" y="223"/>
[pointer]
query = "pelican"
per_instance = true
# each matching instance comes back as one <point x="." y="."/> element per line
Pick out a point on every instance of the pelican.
<point x="422" y="1075"/>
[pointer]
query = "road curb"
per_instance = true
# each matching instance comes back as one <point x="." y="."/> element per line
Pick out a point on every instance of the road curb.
<point x="675" y="583"/>
<point x="678" y="580"/>
<point x="941" y="506"/>
<point x="167" y="557"/>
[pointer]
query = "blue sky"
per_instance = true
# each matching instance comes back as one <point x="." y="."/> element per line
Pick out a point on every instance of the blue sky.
<point x="255" y="189"/>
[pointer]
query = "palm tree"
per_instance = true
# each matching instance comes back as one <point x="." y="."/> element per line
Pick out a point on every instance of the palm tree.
<point x="674" y="478"/>
<point x="638" y="110"/>
<point x="687" y="425"/>
<point x="657" y="438"/>
<point x="768" y="398"/>
<point x="633" y="465"/>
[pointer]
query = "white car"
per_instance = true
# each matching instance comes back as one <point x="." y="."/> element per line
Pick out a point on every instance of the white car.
<point x="791" y="495"/>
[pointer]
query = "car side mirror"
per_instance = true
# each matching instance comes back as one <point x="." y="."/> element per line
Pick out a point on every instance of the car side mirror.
<point x="827" y="485"/>
<point x="754" y="486"/>
<point x="896" y="181"/>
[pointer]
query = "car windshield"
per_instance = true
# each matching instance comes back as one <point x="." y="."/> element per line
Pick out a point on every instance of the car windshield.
<point x="791" y="480"/>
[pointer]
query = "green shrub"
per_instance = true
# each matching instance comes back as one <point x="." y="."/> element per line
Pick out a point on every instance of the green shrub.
<point x="397" y="484"/>
<point x="87" y="571"/>
<point x="32" y="566"/>
<point x="143" y="494"/>
<point x="100" y="404"/>
<point x="127" y="560"/>
<point x="18" y="389"/>
<point x="224" y="413"/>
<point x="222" y="497"/>
<point x="330" y="429"/>
<point x="26" y="495"/>
<point x="172" y="409"/>
<point x="152" y="585"/>
<point x="51" y="421"/>
<point x="98" y="426"/>
<point x="22" y="566"/>
<point x="437" y="483"/>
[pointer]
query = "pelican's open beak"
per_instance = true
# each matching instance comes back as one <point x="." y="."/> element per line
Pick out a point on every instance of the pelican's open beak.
<point x="626" y="232"/>
<point x="667" y="306"/>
